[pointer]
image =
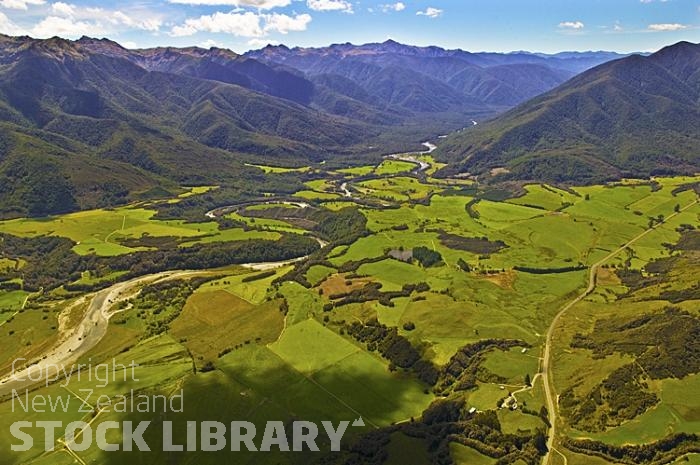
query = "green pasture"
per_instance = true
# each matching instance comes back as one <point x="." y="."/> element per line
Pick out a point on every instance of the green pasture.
<point x="279" y="169"/>
<point x="513" y="364"/>
<point x="253" y="292"/>
<point x="100" y="231"/>
<point x="302" y="303"/>
<point x="396" y="189"/>
<point x="11" y="300"/>
<point x="390" y="166"/>
<point x="545" y="197"/>
<point x="316" y="195"/>
<point x="358" y="170"/>
<point x="318" y="273"/>
<point x="463" y="455"/>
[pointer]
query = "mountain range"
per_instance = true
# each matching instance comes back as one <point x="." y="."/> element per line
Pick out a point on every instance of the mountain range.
<point x="636" y="116"/>
<point x="430" y="79"/>
<point x="89" y="123"/>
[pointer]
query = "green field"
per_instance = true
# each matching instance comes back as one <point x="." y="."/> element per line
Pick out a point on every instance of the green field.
<point x="316" y="195"/>
<point x="277" y="344"/>
<point x="101" y="231"/>
<point x="512" y="365"/>
<point x="545" y="197"/>
<point x="12" y="300"/>
<point x="279" y="169"/>
<point x="395" y="189"/>
<point x="394" y="167"/>
<point x="463" y="455"/>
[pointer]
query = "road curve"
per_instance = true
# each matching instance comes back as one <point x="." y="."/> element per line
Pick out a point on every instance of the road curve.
<point x="550" y="394"/>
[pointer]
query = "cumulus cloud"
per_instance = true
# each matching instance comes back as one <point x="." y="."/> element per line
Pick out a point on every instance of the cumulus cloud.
<point x="20" y="4"/>
<point x="398" y="6"/>
<point x="103" y="18"/>
<point x="65" y="27"/>
<point x="238" y="24"/>
<point x="63" y="9"/>
<point x="147" y="24"/>
<point x="330" y="5"/>
<point x="284" y="23"/>
<point x="576" y="25"/>
<point x="430" y="12"/>
<point x="246" y="24"/>
<point x="70" y="20"/>
<point x="663" y="27"/>
<point x="8" y="27"/>
<point x="260" y="4"/>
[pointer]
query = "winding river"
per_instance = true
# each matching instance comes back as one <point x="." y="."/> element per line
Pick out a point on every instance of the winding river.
<point x="75" y="342"/>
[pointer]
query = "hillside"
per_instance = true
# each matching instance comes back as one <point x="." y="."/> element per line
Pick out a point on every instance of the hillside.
<point x="103" y="123"/>
<point x="637" y="116"/>
<point x="89" y="124"/>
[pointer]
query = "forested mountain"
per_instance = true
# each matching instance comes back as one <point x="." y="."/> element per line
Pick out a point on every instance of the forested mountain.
<point x="636" y="116"/>
<point x="89" y="123"/>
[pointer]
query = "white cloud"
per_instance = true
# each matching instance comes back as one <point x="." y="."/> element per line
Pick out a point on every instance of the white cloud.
<point x="260" y="43"/>
<point x="330" y="5"/>
<point x="284" y="23"/>
<point x="147" y="24"/>
<point x="398" y="6"/>
<point x="663" y="27"/>
<point x="65" y="27"/>
<point x="63" y="9"/>
<point x="103" y="18"/>
<point x="8" y="27"/>
<point x="617" y="27"/>
<point x="69" y="20"/>
<point x="239" y="24"/>
<point x="430" y="12"/>
<point x="246" y="24"/>
<point x="260" y="4"/>
<point x="577" y="25"/>
<point x="129" y="44"/>
<point x="20" y="4"/>
<point x="209" y="43"/>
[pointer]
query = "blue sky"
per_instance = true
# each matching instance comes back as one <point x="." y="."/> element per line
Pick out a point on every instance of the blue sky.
<point x="475" y="25"/>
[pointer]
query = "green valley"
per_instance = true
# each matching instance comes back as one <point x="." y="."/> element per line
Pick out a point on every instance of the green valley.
<point x="422" y="312"/>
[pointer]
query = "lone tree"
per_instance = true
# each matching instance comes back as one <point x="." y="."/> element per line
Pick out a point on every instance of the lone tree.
<point x="528" y="381"/>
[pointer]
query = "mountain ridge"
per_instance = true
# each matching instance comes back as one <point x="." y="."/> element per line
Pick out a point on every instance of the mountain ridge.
<point x="491" y="84"/>
<point x="635" y="116"/>
<point x="107" y="124"/>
